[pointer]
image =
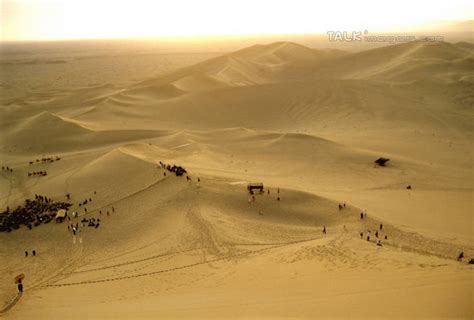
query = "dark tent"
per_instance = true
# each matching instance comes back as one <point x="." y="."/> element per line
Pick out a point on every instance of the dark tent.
<point x="381" y="161"/>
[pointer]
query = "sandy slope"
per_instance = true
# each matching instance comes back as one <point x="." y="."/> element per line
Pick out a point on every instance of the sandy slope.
<point x="305" y="121"/>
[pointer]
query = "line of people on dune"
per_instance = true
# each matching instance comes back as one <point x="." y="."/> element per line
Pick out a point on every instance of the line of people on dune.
<point x="377" y="234"/>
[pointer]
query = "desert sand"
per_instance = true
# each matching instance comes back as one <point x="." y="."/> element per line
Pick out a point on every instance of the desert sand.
<point x="308" y="124"/>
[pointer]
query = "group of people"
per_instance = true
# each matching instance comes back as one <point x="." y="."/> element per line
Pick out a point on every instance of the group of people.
<point x="86" y="201"/>
<point x="278" y="193"/>
<point x="33" y="252"/>
<point x="35" y="212"/>
<point x="108" y="212"/>
<point x="90" y="222"/>
<point x="7" y="169"/>
<point x="82" y="203"/>
<point x="342" y="206"/>
<point x="376" y="233"/>
<point x="461" y="257"/>
<point x="85" y="222"/>
<point x="252" y="194"/>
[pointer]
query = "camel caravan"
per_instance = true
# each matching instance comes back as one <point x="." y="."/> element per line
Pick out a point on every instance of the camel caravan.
<point x="41" y="210"/>
<point x="45" y="160"/>
<point x="42" y="173"/>
<point x="178" y="170"/>
<point x="37" y="173"/>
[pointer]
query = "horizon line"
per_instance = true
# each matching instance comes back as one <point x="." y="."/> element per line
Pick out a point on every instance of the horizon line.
<point x="235" y="36"/>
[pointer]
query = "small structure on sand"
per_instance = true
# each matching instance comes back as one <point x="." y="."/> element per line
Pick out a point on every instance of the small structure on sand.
<point x="255" y="186"/>
<point x="60" y="215"/>
<point x="381" y="161"/>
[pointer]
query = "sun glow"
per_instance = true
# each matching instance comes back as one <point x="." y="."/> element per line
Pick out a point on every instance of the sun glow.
<point x="69" y="19"/>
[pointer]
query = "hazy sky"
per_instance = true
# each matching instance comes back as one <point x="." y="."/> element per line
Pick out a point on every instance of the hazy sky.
<point x="64" y="19"/>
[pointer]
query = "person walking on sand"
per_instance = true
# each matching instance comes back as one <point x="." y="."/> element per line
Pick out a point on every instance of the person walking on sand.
<point x="26" y="253"/>
<point x="20" y="286"/>
<point x="381" y="226"/>
<point x="324" y="230"/>
<point x="34" y="253"/>
<point x="361" y="215"/>
<point x="361" y="235"/>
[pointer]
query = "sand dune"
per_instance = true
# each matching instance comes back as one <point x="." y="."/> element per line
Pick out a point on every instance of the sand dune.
<point x="396" y="63"/>
<point x="308" y="124"/>
<point x="47" y="132"/>
<point x="255" y="65"/>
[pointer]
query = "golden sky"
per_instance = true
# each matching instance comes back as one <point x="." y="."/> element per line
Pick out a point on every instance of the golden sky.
<point x="72" y="19"/>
